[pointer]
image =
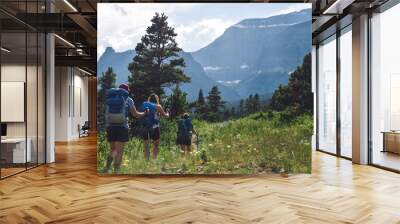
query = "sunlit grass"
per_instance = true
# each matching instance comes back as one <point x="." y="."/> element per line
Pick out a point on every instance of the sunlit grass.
<point x="261" y="142"/>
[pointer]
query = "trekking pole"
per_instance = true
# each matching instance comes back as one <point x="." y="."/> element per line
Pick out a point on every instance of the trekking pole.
<point x="148" y="142"/>
<point x="198" y="142"/>
<point x="168" y="130"/>
<point x="147" y="128"/>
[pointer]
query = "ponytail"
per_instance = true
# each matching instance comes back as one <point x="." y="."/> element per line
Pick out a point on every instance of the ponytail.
<point x="153" y="98"/>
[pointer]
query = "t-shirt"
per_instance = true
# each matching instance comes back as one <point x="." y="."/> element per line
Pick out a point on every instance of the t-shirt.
<point x="129" y="105"/>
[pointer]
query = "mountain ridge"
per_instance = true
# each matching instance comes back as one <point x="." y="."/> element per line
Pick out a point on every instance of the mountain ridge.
<point x="253" y="56"/>
<point x="119" y="61"/>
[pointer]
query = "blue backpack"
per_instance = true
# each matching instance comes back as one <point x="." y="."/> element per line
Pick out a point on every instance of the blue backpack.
<point x="151" y="119"/>
<point x="116" y="105"/>
<point x="185" y="128"/>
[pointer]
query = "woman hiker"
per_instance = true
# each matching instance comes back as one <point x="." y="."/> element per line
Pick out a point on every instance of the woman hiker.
<point x="118" y="107"/>
<point x="184" y="136"/>
<point x="151" y="124"/>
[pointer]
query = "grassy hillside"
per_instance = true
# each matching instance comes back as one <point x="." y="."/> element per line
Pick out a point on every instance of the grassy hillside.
<point x="258" y="143"/>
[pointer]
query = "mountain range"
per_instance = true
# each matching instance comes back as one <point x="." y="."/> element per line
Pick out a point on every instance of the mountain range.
<point x="252" y="56"/>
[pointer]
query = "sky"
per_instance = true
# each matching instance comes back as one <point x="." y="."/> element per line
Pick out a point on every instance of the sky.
<point x="121" y="25"/>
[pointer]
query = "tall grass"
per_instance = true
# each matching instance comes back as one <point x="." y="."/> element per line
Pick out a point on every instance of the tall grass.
<point x="261" y="142"/>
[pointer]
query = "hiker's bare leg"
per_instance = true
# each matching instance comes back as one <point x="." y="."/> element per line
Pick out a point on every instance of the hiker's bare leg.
<point x="147" y="149"/>
<point x="111" y="155"/>
<point x="156" y="143"/>
<point x="183" y="150"/>
<point x="113" y="149"/>
<point x="119" y="148"/>
<point x="189" y="149"/>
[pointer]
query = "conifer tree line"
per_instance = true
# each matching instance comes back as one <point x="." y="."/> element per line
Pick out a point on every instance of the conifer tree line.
<point x="213" y="108"/>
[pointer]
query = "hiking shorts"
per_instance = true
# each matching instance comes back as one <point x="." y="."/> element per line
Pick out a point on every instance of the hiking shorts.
<point x="151" y="133"/>
<point x="184" y="139"/>
<point x="117" y="134"/>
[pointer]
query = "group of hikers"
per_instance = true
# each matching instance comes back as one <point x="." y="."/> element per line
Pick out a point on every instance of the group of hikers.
<point x="119" y="106"/>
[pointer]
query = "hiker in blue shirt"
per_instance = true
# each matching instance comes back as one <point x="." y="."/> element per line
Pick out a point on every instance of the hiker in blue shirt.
<point x="151" y="124"/>
<point x="118" y="108"/>
<point x="184" y="135"/>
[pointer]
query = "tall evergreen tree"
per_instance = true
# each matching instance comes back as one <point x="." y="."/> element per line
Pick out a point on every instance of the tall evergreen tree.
<point x="201" y="107"/>
<point x="249" y="104"/>
<point x="106" y="81"/>
<point x="241" y="108"/>
<point x="200" y="99"/>
<point x="233" y="112"/>
<point x="215" y="104"/>
<point x="226" y="114"/>
<point x="256" y="103"/>
<point x="157" y="63"/>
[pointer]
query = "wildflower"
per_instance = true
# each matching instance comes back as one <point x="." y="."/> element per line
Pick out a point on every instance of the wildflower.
<point x="210" y="145"/>
<point x="228" y="146"/>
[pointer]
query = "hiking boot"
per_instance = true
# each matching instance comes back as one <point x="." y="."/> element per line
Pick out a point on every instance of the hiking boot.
<point x="107" y="169"/>
<point x="117" y="169"/>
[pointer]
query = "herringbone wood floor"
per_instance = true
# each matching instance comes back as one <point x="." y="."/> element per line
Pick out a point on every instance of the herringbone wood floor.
<point x="70" y="191"/>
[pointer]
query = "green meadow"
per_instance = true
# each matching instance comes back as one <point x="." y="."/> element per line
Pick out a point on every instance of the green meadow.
<point x="258" y="143"/>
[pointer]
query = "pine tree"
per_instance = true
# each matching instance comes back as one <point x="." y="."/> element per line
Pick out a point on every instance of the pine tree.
<point x="241" y="108"/>
<point x="201" y="107"/>
<point x="200" y="99"/>
<point x="106" y="81"/>
<point x="157" y="64"/>
<point x="214" y="104"/>
<point x="233" y="112"/>
<point x="227" y="114"/>
<point x="249" y="105"/>
<point x="177" y="101"/>
<point x="256" y="103"/>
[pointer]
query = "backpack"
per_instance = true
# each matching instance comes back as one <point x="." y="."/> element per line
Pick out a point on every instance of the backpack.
<point x="184" y="128"/>
<point x="116" y="104"/>
<point x="151" y="119"/>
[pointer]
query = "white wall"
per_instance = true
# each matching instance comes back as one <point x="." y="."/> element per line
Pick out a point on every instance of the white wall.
<point x="11" y="73"/>
<point x="71" y="94"/>
<point x="33" y="126"/>
<point x="61" y="103"/>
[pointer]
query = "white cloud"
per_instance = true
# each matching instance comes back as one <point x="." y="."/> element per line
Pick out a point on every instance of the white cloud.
<point x="244" y="66"/>
<point x="211" y="68"/>
<point x="294" y="8"/>
<point x="198" y="34"/>
<point x="229" y="83"/>
<point x="240" y="26"/>
<point x="121" y="25"/>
